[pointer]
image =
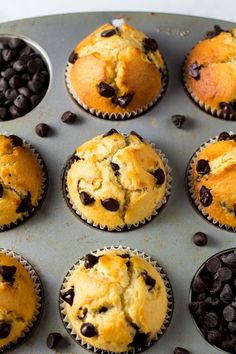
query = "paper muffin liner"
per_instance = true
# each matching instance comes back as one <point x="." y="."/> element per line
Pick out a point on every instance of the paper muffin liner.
<point x="190" y="188"/>
<point x="218" y="113"/>
<point x="159" y="269"/>
<point x="127" y="227"/>
<point x="116" y="116"/>
<point x="39" y="301"/>
<point x="43" y="191"/>
<point x="190" y="295"/>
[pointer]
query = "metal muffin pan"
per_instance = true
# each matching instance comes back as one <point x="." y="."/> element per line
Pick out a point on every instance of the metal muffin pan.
<point x="54" y="238"/>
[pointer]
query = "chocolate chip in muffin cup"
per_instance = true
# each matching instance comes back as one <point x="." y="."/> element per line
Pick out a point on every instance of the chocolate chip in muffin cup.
<point x="26" y="209"/>
<point x="205" y="194"/>
<point x="33" y="323"/>
<point x="140" y="341"/>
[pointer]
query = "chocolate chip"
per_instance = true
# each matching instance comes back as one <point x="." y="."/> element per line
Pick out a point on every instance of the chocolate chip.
<point x="200" y="239"/>
<point x="8" y="55"/>
<point x="19" y="65"/>
<point x="35" y="99"/>
<point x="125" y="255"/>
<point x="213" y="264"/>
<point x="226" y="107"/>
<point x="139" y="340"/>
<point x="212" y="301"/>
<point x="149" y="281"/>
<point x="178" y="120"/>
<point x="228" y="344"/>
<point x="1" y="190"/>
<point x="68" y="117"/>
<point x="73" y="57"/>
<point x="82" y="313"/>
<point x="124" y="101"/>
<point x="25" y="78"/>
<point x="8" y="73"/>
<point x="180" y="350"/>
<point x="110" y="132"/>
<point x="198" y="307"/>
<point x="11" y="94"/>
<point x="16" y="43"/>
<point x="24" y="91"/>
<point x="86" y="199"/>
<point x="42" y="129"/>
<point x="229" y="313"/>
<point x="211" y="320"/>
<point x="224" y="274"/>
<point x="37" y="82"/>
<point x="136" y="134"/>
<point x="33" y="66"/>
<point x="108" y="32"/>
<point x="230" y="260"/>
<point x="194" y="70"/>
<point x="214" y="336"/>
<point x="106" y="90"/>
<point x="150" y="44"/>
<point x="216" y="287"/>
<point x="71" y="160"/>
<point x="53" y="339"/>
<point x="205" y="196"/>
<point x="226" y="294"/>
<point x="217" y="30"/>
<point x="15" y="112"/>
<point x="25" y="51"/>
<point x="160" y="176"/>
<point x="68" y="296"/>
<point x="25" y="204"/>
<point x="110" y="204"/>
<point x="198" y="285"/>
<point x="115" y="168"/>
<point x="7" y="272"/>
<point x="5" y="329"/>
<point x="21" y="102"/>
<point x="15" y="81"/>
<point x="232" y="327"/>
<point x="3" y="84"/>
<point x="90" y="260"/>
<point x="103" y="309"/>
<point x="16" y="140"/>
<point x="203" y="167"/>
<point x="88" y="330"/>
<point x="3" y="113"/>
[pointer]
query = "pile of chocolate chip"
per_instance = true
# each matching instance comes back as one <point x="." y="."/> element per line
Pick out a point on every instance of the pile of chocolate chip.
<point x="24" y="78"/>
<point x="213" y="301"/>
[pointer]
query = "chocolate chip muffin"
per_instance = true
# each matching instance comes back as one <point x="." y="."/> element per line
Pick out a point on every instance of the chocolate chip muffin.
<point x="210" y="73"/>
<point x="19" y="299"/>
<point x="115" y="181"/>
<point x="22" y="181"/>
<point x="116" y="291"/>
<point x="212" y="300"/>
<point x="116" y="72"/>
<point x="212" y="178"/>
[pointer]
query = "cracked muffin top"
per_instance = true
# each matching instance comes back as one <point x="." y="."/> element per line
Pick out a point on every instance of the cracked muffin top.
<point x="21" y="180"/>
<point x="116" y="301"/>
<point x="114" y="180"/>
<point x="116" y="70"/>
<point x="210" y="71"/>
<point x="214" y="176"/>
<point x="17" y="299"/>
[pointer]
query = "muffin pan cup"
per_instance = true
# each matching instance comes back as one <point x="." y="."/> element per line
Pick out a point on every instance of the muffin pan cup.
<point x="39" y="301"/>
<point x="170" y="301"/>
<point x="190" y="189"/>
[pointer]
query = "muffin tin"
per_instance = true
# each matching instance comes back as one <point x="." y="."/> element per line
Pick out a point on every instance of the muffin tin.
<point x="54" y="238"/>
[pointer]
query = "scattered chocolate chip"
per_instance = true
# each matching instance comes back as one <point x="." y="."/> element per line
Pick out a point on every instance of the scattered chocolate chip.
<point x="124" y="101"/>
<point x="68" y="296"/>
<point x="71" y="160"/>
<point x="198" y="285"/>
<point x="16" y="43"/>
<point x="200" y="239"/>
<point x="110" y="204"/>
<point x="103" y="309"/>
<point x="136" y="134"/>
<point x="211" y="320"/>
<point x="108" y="33"/>
<point x="88" y="330"/>
<point x="178" y="120"/>
<point x="106" y="90"/>
<point x="42" y="129"/>
<point x="86" y="199"/>
<point x="150" y="44"/>
<point x="149" y="281"/>
<point x="16" y="140"/>
<point x="25" y="204"/>
<point x="194" y="70"/>
<point x="160" y="176"/>
<point x="53" y="340"/>
<point x="205" y="196"/>
<point x="68" y="117"/>
<point x="115" y="168"/>
<point x="226" y="294"/>
<point x="1" y="190"/>
<point x="5" y="329"/>
<point x="110" y="132"/>
<point x="217" y="30"/>
<point x="90" y="260"/>
<point x="180" y="350"/>
<point x="7" y="272"/>
<point x="139" y="340"/>
<point x="214" y="336"/>
<point x="213" y="264"/>
<point x="226" y="107"/>
<point x="224" y="274"/>
<point x="203" y="167"/>
<point x="73" y="57"/>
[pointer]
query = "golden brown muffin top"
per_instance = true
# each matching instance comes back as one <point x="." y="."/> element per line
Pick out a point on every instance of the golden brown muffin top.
<point x="20" y="179"/>
<point x="214" y="176"/>
<point x="210" y="71"/>
<point x="117" y="72"/>
<point x="116" y="180"/>
<point x="117" y="293"/>
<point x="17" y="299"/>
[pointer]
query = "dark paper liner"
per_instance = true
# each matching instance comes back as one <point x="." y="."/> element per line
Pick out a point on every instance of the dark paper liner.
<point x="170" y="301"/>
<point x="117" y="116"/>
<point x="129" y="227"/>
<point x="190" y="189"/>
<point x="27" y="215"/>
<point x="229" y="250"/>
<point x="39" y="301"/>
<point x="218" y="113"/>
